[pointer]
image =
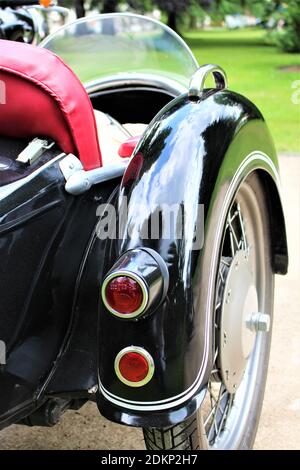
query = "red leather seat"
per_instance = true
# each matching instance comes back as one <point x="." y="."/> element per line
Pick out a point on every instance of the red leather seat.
<point x="43" y="97"/>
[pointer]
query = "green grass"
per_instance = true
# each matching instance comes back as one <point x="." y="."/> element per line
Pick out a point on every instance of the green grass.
<point x="252" y="67"/>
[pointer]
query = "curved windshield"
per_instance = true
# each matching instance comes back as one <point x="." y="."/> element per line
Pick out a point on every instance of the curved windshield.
<point x="103" y="47"/>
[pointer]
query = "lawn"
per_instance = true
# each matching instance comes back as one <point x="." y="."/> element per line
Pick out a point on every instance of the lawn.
<point x="253" y="69"/>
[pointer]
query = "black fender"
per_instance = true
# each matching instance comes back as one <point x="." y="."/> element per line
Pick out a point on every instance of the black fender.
<point x="193" y="153"/>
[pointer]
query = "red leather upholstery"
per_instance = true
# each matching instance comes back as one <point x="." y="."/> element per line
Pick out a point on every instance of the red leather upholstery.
<point x="45" y="98"/>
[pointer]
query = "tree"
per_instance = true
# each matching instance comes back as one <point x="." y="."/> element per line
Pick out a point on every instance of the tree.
<point x="174" y="9"/>
<point x="289" y="37"/>
<point x="110" y="6"/>
<point x="77" y="4"/>
<point x="142" y="6"/>
<point x="177" y="9"/>
<point x="79" y="8"/>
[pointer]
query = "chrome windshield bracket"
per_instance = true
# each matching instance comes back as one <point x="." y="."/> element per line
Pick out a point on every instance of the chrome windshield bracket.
<point x="197" y="82"/>
<point x="79" y="180"/>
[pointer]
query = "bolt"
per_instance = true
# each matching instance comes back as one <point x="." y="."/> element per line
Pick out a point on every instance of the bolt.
<point x="258" y="322"/>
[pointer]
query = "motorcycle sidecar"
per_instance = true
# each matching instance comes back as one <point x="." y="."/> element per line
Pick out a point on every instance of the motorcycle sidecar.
<point x="141" y="228"/>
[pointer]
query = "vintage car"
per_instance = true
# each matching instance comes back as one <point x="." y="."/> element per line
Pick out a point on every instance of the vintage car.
<point x="141" y="229"/>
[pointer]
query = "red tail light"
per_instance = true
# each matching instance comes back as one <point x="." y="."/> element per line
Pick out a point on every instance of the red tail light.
<point x="134" y="366"/>
<point x="136" y="284"/>
<point x="124" y="295"/>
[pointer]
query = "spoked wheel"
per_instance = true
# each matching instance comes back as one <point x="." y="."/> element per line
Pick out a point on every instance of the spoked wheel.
<point x="228" y="417"/>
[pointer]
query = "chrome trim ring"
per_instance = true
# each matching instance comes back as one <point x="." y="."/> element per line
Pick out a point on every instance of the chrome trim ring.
<point x="142" y="285"/>
<point x="142" y="352"/>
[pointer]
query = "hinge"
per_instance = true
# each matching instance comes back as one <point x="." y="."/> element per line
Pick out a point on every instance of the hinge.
<point x="34" y="150"/>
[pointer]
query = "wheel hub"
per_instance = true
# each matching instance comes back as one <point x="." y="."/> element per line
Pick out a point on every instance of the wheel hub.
<point x="239" y="321"/>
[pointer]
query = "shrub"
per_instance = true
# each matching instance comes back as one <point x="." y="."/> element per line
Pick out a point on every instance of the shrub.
<point x="288" y="38"/>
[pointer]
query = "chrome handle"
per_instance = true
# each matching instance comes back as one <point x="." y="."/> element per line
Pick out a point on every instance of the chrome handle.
<point x="198" y="79"/>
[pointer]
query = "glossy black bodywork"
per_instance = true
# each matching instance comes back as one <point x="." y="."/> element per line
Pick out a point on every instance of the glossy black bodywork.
<point x="178" y="162"/>
<point x="61" y="340"/>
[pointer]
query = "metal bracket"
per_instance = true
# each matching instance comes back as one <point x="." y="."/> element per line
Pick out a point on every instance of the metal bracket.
<point x="70" y="165"/>
<point x="79" y="181"/>
<point x="197" y="82"/>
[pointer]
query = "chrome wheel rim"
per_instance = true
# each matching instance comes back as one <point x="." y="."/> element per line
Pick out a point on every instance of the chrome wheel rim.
<point x="223" y="415"/>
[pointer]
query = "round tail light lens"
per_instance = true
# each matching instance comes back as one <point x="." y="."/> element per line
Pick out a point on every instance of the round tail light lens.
<point x="125" y="296"/>
<point x="134" y="366"/>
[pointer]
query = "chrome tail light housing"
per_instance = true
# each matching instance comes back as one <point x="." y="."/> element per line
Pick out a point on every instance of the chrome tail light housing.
<point x="136" y="285"/>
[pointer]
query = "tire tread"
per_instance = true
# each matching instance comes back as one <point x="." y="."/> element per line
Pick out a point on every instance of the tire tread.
<point x="183" y="436"/>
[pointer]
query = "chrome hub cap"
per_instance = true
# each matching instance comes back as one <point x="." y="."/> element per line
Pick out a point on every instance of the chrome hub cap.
<point x="236" y="338"/>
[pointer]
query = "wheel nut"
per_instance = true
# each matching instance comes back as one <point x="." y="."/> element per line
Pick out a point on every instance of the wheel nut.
<point x="258" y="322"/>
